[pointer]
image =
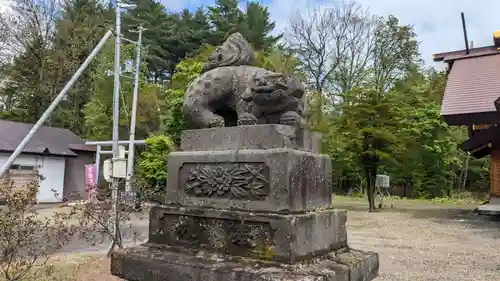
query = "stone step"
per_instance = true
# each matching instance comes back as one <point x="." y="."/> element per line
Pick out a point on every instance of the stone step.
<point x="274" y="180"/>
<point x="167" y="264"/>
<point x="285" y="238"/>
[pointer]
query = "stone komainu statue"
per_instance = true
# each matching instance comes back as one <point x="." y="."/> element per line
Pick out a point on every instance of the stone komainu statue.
<point x="232" y="92"/>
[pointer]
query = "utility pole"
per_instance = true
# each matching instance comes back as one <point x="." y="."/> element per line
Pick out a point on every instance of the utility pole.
<point x="115" y="222"/>
<point x="115" y="180"/>
<point x="131" y="146"/>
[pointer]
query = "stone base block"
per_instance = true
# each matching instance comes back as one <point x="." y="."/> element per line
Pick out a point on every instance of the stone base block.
<point x="162" y="264"/>
<point x="275" y="180"/>
<point x="492" y="208"/>
<point x="268" y="236"/>
<point x="251" y="137"/>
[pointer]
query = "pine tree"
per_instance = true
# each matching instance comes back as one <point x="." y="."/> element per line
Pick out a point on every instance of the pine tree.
<point x="254" y="24"/>
<point x="78" y="30"/>
<point x="169" y="36"/>
<point x="258" y="27"/>
<point x="226" y="18"/>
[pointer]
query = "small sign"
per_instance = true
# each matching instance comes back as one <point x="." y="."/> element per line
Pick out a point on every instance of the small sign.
<point x="91" y="182"/>
<point x="90" y="175"/>
<point x="382" y="181"/>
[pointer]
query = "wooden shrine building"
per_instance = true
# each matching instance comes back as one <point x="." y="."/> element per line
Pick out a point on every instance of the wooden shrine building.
<point x="472" y="98"/>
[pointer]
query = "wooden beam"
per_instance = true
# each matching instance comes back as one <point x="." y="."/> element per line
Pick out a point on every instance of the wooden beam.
<point x="459" y="54"/>
<point x="491" y="117"/>
<point x="482" y="138"/>
<point x="495" y="172"/>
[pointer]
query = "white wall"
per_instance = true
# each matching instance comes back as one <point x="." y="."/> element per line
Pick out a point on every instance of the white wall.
<point x="52" y="169"/>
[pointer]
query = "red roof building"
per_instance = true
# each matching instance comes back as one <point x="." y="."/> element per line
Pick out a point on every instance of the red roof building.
<point x="472" y="98"/>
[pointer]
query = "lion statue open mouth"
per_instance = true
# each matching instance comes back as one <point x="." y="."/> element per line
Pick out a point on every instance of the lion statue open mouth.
<point x="267" y="91"/>
<point x="231" y="83"/>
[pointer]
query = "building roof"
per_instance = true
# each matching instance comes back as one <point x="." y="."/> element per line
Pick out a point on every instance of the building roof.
<point x="462" y="54"/>
<point x="472" y="87"/>
<point x="47" y="140"/>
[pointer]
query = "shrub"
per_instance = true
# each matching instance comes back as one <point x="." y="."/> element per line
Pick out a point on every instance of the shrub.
<point x="26" y="239"/>
<point x="152" y="166"/>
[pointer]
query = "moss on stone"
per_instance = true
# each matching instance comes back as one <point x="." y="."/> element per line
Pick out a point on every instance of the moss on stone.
<point x="267" y="252"/>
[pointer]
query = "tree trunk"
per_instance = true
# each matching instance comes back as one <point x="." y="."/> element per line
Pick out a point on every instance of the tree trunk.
<point x="370" y="161"/>
<point x="370" y="188"/>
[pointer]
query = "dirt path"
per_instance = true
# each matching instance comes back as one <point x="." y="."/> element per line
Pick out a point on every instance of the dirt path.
<point x="427" y="242"/>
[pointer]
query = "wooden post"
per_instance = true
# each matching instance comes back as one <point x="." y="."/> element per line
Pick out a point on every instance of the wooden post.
<point x="495" y="172"/>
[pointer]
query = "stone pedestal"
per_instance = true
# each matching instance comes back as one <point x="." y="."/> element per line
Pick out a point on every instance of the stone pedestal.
<point x="247" y="203"/>
<point x="492" y="208"/>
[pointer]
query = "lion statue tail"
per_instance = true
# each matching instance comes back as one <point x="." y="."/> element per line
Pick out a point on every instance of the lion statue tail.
<point x="235" y="51"/>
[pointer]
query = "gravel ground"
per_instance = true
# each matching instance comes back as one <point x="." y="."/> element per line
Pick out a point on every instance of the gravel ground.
<point x="425" y="241"/>
<point x="416" y="240"/>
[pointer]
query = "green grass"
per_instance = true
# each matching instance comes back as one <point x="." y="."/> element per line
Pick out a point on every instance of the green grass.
<point x="348" y="202"/>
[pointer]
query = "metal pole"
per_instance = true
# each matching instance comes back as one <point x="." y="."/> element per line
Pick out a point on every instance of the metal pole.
<point x="108" y="143"/>
<point x="116" y="88"/>
<point x="115" y="223"/>
<point x="465" y="33"/>
<point x="54" y="104"/>
<point x="131" y="146"/>
<point x="97" y="164"/>
<point x="106" y="152"/>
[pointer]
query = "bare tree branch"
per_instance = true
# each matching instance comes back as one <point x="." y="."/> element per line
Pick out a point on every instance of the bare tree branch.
<point x="353" y="70"/>
<point x="333" y="45"/>
<point x="395" y="50"/>
<point x="28" y="24"/>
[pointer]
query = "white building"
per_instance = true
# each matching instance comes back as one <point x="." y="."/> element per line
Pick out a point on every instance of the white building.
<point x="58" y="155"/>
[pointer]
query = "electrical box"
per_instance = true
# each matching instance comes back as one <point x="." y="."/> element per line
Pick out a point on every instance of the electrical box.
<point x="121" y="152"/>
<point x="107" y="170"/>
<point x="115" y="168"/>
<point x="120" y="164"/>
<point x="129" y="66"/>
<point x="120" y="168"/>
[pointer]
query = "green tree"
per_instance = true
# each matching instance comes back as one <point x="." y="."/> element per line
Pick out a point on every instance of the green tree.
<point x="81" y="25"/>
<point x="30" y="85"/>
<point x="254" y="24"/>
<point x="54" y="40"/>
<point x="258" y="27"/>
<point x="169" y="36"/>
<point x="281" y="61"/>
<point x="185" y="72"/>
<point x="152" y="172"/>
<point x="98" y="111"/>
<point x="368" y="123"/>
<point x="225" y="18"/>
<point x="431" y="155"/>
<point x="161" y="28"/>
<point x="394" y="53"/>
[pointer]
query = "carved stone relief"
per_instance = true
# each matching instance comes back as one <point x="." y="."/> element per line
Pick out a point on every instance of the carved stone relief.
<point x="239" y="237"/>
<point x="244" y="181"/>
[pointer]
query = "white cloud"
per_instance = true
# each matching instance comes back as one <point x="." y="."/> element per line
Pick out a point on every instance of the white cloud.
<point x="178" y="5"/>
<point x="4" y="5"/>
<point x="173" y="5"/>
<point x="437" y="22"/>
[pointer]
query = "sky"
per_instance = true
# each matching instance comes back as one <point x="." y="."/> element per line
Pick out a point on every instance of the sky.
<point x="437" y="22"/>
<point x="3" y="5"/>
